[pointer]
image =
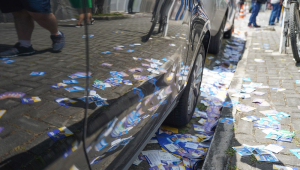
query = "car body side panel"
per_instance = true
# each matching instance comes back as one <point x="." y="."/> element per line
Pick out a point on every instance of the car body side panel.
<point x="216" y="10"/>
<point x="118" y="132"/>
<point x="231" y="15"/>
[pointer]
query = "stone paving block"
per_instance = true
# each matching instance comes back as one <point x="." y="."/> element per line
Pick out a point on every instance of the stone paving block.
<point x="28" y="84"/>
<point x="244" y="127"/>
<point x="40" y="90"/>
<point x="15" y="112"/>
<point x="6" y="131"/>
<point x="55" y="120"/>
<point x="40" y="144"/>
<point x="263" y="165"/>
<point x="242" y="163"/>
<point x="14" y="140"/>
<point x="44" y="109"/>
<point x="295" y="124"/>
<point x="292" y="101"/>
<point x="288" y="159"/>
<point x="30" y="124"/>
<point x="9" y="103"/>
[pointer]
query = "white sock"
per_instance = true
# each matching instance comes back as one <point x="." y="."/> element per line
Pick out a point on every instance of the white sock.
<point x="58" y="33"/>
<point x="25" y="43"/>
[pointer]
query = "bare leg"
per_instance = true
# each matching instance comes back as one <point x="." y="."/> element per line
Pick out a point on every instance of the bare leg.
<point x="89" y="12"/>
<point x="46" y="20"/>
<point x="24" y="24"/>
<point x="81" y="17"/>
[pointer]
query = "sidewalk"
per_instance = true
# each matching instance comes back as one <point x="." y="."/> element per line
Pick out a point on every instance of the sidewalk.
<point x="277" y="71"/>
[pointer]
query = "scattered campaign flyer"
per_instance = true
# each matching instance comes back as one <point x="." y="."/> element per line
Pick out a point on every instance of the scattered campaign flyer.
<point x="152" y="157"/>
<point x="274" y="148"/>
<point x="37" y="73"/>
<point x="74" y="88"/>
<point x="79" y="75"/>
<point x="244" y="108"/>
<point x="130" y="51"/>
<point x="70" y="81"/>
<point x="137" y="58"/>
<point x="8" y="61"/>
<point x="278" y="89"/>
<point x="274" y="135"/>
<point x="31" y="100"/>
<point x="97" y="159"/>
<point x="250" y="118"/>
<point x="270" y="157"/>
<point x="280" y="167"/>
<point x="59" y="85"/>
<point x="65" y="101"/>
<point x="2" y="112"/>
<point x="106" y="52"/>
<point x="258" y="93"/>
<point x="127" y="82"/>
<point x="106" y="64"/>
<point x="265" y="112"/>
<point x="133" y="70"/>
<point x="242" y="150"/>
<point x="247" y="79"/>
<point x="227" y="120"/>
<point x="296" y="152"/>
<point x="11" y="95"/>
<point x="60" y="133"/>
<point x="282" y="115"/>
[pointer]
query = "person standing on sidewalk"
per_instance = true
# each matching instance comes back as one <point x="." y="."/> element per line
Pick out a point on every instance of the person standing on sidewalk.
<point x="276" y="5"/>
<point x="241" y="3"/>
<point x="24" y="13"/>
<point x="78" y="4"/>
<point x="255" y="7"/>
<point x="279" y="12"/>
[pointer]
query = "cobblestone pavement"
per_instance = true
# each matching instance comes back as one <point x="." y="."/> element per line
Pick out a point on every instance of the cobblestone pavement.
<point x="278" y="70"/>
<point x="24" y="137"/>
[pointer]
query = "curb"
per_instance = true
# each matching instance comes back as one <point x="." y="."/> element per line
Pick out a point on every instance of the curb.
<point x="217" y="158"/>
<point x="111" y="17"/>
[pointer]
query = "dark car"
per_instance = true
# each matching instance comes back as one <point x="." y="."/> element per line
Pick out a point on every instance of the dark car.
<point x="160" y="47"/>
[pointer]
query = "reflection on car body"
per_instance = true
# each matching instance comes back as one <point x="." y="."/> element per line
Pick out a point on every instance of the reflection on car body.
<point x="174" y="45"/>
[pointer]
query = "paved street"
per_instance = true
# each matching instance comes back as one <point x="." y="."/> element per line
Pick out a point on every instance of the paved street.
<point x="277" y="71"/>
<point x="26" y="125"/>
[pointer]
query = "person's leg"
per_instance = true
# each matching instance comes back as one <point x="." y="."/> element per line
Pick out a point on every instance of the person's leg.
<point x="24" y="24"/>
<point x="24" y="27"/>
<point x="46" y="20"/>
<point x="279" y="13"/>
<point x="81" y="17"/>
<point x="257" y="8"/>
<point x="272" y="14"/>
<point x="252" y="17"/>
<point x="40" y="11"/>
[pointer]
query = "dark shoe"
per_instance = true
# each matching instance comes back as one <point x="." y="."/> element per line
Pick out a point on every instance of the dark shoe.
<point x="256" y="26"/>
<point x="17" y="50"/>
<point x="277" y="21"/>
<point x="271" y="24"/>
<point x="92" y="21"/>
<point x="250" y="26"/>
<point x="78" y="26"/>
<point x="58" y="41"/>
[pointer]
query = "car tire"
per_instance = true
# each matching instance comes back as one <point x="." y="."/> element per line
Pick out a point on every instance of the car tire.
<point x="228" y="33"/>
<point x="185" y="108"/>
<point x="216" y="41"/>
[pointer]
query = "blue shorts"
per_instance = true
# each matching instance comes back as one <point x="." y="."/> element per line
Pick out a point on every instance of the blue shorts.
<point x="38" y="6"/>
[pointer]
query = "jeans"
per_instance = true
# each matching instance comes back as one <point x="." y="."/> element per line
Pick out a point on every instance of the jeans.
<point x="274" y="13"/>
<point x="279" y="12"/>
<point x="255" y="10"/>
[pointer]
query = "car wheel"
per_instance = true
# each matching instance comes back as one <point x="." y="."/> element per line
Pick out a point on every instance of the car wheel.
<point x="216" y="41"/>
<point x="228" y="33"/>
<point x="184" y="111"/>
